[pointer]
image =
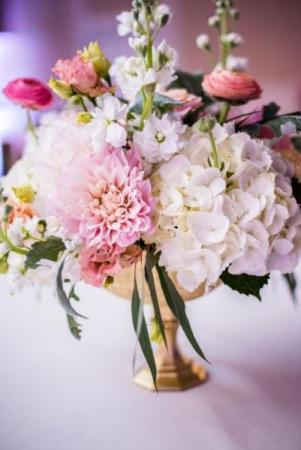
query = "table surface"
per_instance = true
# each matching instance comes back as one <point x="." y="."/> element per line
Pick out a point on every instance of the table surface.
<point x="58" y="394"/>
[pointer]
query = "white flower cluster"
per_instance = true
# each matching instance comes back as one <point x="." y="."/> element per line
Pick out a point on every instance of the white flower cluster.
<point x="241" y="216"/>
<point x="151" y="65"/>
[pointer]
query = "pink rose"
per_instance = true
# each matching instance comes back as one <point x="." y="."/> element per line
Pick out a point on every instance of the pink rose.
<point x="232" y="86"/>
<point x="28" y="93"/>
<point x="80" y="74"/>
<point x="189" y="102"/>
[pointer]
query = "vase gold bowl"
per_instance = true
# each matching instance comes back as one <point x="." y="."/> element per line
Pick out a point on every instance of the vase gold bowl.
<point x="175" y="372"/>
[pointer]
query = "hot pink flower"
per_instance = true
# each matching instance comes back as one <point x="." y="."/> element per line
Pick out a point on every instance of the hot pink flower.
<point x="103" y="199"/>
<point x="29" y="93"/>
<point x="232" y="86"/>
<point x="80" y="74"/>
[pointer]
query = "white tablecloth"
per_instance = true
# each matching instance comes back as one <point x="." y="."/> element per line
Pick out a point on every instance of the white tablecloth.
<point x="60" y="394"/>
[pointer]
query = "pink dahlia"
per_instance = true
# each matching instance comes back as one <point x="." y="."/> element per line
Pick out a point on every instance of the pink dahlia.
<point x="103" y="199"/>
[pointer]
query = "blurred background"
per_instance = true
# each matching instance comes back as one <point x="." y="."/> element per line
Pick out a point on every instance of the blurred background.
<point x="35" y="33"/>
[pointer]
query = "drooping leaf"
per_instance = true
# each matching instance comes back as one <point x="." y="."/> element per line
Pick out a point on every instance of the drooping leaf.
<point x="49" y="249"/>
<point x="292" y="285"/>
<point x="270" y="110"/>
<point x="74" y="326"/>
<point x="177" y="306"/>
<point x="142" y="333"/>
<point x="62" y="296"/>
<point x="150" y="262"/>
<point x="245" y="284"/>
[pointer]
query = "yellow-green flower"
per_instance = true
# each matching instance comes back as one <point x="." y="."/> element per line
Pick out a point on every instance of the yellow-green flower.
<point x="94" y="53"/>
<point x="25" y="194"/>
<point x="63" y="90"/>
<point x="83" y="117"/>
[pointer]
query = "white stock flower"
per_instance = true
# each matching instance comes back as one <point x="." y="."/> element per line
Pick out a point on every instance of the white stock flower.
<point x="233" y="39"/>
<point x="160" y="138"/>
<point x="131" y="75"/>
<point x="108" y="125"/>
<point x="237" y="63"/>
<point x="162" y="11"/>
<point x="203" y="42"/>
<point x="126" y="23"/>
<point x="165" y="58"/>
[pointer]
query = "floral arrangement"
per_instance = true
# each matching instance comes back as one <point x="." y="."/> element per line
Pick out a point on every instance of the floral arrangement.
<point x="148" y="165"/>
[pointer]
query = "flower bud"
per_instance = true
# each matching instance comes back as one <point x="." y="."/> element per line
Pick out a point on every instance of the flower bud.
<point x="232" y="39"/>
<point x="234" y="13"/>
<point x="214" y="21"/>
<point x="63" y="90"/>
<point x="203" y="43"/>
<point x="83" y="117"/>
<point x="206" y="124"/>
<point x="100" y="63"/>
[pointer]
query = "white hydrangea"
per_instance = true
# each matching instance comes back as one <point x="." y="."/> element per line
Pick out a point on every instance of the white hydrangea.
<point x="242" y="218"/>
<point x="160" y="138"/>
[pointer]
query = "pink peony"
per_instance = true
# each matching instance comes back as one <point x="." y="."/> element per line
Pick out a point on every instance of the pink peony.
<point x="80" y="74"/>
<point x="29" y="93"/>
<point x="232" y="86"/>
<point x="103" y="199"/>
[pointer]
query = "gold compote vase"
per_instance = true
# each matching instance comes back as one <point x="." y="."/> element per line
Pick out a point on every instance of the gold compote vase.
<point x="175" y="371"/>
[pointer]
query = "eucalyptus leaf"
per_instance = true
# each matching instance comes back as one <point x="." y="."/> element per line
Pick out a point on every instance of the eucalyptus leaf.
<point x="150" y="262"/>
<point x="245" y="284"/>
<point x="177" y="306"/>
<point x="292" y="284"/>
<point x="192" y="82"/>
<point x="161" y="103"/>
<point x="274" y="124"/>
<point x="142" y="333"/>
<point x="74" y="326"/>
<point x="61" y="294"/>
<point x="49" y="249"/>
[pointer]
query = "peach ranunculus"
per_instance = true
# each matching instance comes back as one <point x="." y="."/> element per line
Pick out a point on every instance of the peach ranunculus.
<point x="232" y="86"/>
<point x="189" y="102"/>
<point x="80" y="74"/>
<point x="29" y="93"/>
<point x="24" y="211"/>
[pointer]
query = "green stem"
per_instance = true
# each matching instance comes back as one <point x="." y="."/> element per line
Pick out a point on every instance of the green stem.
<point x="214" y="149"/>
<point x="148" y="100"/>
<point x="224" y="50"/>
<point x="224" y="112"/>
<point x="30" y="125"/>
<point x="4" y="238"/>
<point x="81" y="100"/>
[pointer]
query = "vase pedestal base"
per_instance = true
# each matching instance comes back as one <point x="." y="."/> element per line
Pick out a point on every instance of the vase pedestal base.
<point x="175" y="372"/>
<point x="173" y="378"/>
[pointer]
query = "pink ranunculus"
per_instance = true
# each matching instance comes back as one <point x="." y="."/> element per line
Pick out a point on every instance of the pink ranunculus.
<point x="231" y="86"/>
<point x="80" y="74"/>
<point x="29" y="93"/>
<point x="189" y="102"/>
<point x="103" y="199"/>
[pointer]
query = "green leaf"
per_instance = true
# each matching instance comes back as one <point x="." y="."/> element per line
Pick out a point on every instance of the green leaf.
<point x="74" y="326"/>
<point x="297" y="143"/>
<point x="177" y="306"/>
<point x="274" y="124"/>
<point x="162" y="104"/>
<point x="292" y="285"/>
<point x="245" y="284"/>
<point x="270" y="110"/>
<point x="49" y="249"/>
<point x="61" y="294"/>
<point x="142" y="332"/>
<point x="150" y="262"/>
<point x="192" y="82"/>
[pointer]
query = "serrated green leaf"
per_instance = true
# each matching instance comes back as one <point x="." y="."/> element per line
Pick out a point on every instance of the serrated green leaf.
<point x="49" y="249"/>
<point x="62" y="296"/>
<point x="177" y="306"/>
<point x="142" y="332"/>
<point x="245" y="284"/>
<point x="150" y="262"/>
